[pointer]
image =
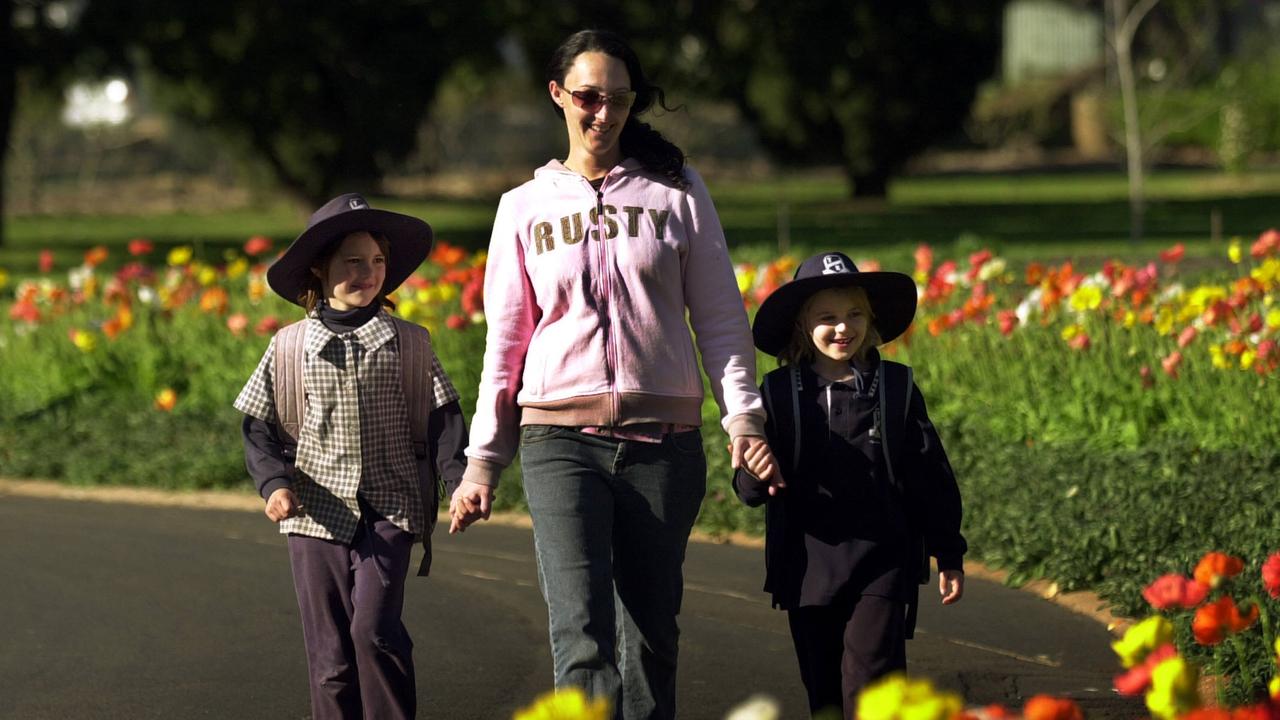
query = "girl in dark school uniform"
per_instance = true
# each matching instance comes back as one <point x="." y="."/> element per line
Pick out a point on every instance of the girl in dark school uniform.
<point x="869" y="494"/>
<point x="350" y="422"/>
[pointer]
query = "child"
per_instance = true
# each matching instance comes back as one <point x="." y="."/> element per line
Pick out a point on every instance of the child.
<point x="348" y="467"/>
<point x="868" y="485"/>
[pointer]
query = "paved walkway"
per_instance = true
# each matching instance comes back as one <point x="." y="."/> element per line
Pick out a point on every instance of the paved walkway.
<point x="129" y="610"/>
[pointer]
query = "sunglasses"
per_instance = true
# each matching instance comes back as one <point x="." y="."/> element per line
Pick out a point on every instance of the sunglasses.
<point x="593" y="100"/>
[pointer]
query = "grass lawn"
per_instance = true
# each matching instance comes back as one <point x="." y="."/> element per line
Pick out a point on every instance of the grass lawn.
<point x="1022" y="217"/>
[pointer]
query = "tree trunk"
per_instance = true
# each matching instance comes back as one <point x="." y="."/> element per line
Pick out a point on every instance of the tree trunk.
<point x="872" y="183"/>
<point x="8" y="93"/>
<point x="1125" y="27"/>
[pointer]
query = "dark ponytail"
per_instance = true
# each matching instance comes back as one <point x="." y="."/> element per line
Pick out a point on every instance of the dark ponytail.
<point x="654" y="152"/>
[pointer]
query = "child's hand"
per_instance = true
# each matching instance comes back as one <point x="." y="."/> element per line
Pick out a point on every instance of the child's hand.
<point x="950" y="585"/>
<point x="753" y="452"/>
<point x="283" y="504"/>
<point x="470" y="502"/>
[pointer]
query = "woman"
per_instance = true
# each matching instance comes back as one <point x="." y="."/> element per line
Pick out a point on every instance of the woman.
<point x="590" y="370"/>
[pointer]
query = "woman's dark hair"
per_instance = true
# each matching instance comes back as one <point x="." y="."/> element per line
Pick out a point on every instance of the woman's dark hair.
<point x="654" y="152"/>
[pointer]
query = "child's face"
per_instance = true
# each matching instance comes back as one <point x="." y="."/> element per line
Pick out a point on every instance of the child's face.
<point x="354" y="275"/>
<point x="837" y="322"/>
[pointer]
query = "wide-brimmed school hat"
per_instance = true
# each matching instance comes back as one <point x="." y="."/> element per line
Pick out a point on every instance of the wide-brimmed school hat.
<point x="892" y="296"/>
<point x="409" y="239"/>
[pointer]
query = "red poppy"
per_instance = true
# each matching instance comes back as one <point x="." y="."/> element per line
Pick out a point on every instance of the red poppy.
<point x="1173" y="254"/>
<point x="267" y="325"/>
<point x="1212" y="622"/>
<point x="140" y="246"/>
<point x="1175" y="591"/>
<point x="455" y="322"/>
<point x="1008" y="320"/>
<point x="1266" y="242"/>
<point x="1145" y="373"/>
<point x="1045" y="707"/>
<point x="924" y="259"/>
<point x="1271" y="575"/>
<point x="257" y="245"/>
<point x="1079" y="341"/>
<point x="46" y="261"/>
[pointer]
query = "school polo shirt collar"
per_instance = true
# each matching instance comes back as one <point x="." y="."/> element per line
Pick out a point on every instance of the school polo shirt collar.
<point x="372" y="335"/>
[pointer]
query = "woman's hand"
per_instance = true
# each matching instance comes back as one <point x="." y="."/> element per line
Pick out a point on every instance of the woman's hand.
<point x="470" y="502"/>
<point x="753" y="452"/>
<point x="950" y="585"/>
<point x="283" y="504"/>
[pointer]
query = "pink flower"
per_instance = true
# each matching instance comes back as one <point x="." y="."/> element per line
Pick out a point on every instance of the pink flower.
<point x="1175" y="591"/>
<point x="1187" y="336"/>
<point x="1170" y="364"/>
<point x="237" y="323"/>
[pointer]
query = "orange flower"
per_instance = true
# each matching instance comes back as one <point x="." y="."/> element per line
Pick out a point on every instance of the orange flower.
<point x="1175" y="591"/>
<point x="1045" y="707"/>
<point x="166" y="399"/>
<point x="1213" y="621"/>
<point x="95" y="255"/>
<point x="1216" y="566"/>
<point x="237" y="323"/>
<point x="214" y="300"/>
<point x="446" y="255"/>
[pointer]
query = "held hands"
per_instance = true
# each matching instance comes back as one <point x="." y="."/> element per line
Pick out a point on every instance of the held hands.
<point x="950" y="585"/>
<point x="753" y="452"/>
<point x="283" y="504"/>
<point x="470" y="502"/>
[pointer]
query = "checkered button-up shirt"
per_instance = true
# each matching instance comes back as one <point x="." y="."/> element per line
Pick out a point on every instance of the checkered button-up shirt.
<point x="355" y="437"/>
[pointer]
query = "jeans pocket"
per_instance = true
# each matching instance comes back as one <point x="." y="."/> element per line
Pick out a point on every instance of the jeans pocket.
<point x="532" y="434"/>
<point x="688" y="442"/>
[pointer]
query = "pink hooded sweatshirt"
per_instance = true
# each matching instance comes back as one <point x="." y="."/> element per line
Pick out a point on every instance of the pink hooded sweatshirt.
<point x="585" y="296"/>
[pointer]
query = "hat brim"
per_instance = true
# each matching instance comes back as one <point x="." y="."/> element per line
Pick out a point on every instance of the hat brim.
<point x="409" y="237"/>
<point x="892" y="296"/>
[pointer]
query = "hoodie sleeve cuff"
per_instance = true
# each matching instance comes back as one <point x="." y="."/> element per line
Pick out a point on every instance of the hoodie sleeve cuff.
<point x="745" y="424"/>
<point x="482" y="472"/>
<point x="273" y="485"/>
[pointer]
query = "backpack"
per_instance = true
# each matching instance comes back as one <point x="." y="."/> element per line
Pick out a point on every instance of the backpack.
<point x="896" y="382"/>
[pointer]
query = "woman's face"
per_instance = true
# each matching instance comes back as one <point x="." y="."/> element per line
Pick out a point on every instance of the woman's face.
<point x="595" y="127"/>
<point x="354" y="276"/>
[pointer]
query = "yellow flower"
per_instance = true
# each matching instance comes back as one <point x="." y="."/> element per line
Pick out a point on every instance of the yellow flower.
<point x="237" y="267"/>
<point x="896" y="697"/>
<point x="746" y="275"/>
<point x="407" y="308"/>
<point x="206" y="275"/>
<point x="1220" y="359"/>
<point x="993" y="268"/>
<point x="1234" y="251"/>
<point x="1071" y="331"/>
<point x="447" y="292"/>
<point x="480" y="258"/>
<point x="257" y="288"/>
<point x="1273" y="687"/>
<point x="567" y="704"/>
<point x="1086" y="297"/>
<point x="1173" y="689"/>
<point x="1141" y="639"/>
<point x="180" y="255"/>
<point x="1267" y="272"/>
<point x="4" y="278"/>
<point x="83" y="340"/>
<point x="1201" y="298"/>
<point x="1273" y="319"/>
<point x="1247" y="357"/>
<point x="1165" y="321"/>
<point x="1130" y="319"/>
<point x="166" y="399"/>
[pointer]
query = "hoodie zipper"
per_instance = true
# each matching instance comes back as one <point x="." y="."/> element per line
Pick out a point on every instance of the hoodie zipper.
<point x="606" y="292"/>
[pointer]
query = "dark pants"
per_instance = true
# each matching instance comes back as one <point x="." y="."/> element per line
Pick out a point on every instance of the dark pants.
<point x="351" y="596"/>
<point x="611" y="519"/>
<point x="844" y="646"/>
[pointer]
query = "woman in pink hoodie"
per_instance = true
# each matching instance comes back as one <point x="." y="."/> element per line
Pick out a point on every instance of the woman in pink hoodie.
<point x="590" y="372"/>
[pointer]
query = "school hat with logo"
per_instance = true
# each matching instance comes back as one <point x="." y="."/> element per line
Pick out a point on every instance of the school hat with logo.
<point x="892" y="296"/>
<point x="409" y="239"/>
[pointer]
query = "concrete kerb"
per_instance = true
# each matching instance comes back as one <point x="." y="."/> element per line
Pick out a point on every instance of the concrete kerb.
<point x="1082" y="602"/>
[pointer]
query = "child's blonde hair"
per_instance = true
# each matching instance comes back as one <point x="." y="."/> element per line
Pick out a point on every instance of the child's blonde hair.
<point x="313" y="293"/>
<point x="800" y="349"/>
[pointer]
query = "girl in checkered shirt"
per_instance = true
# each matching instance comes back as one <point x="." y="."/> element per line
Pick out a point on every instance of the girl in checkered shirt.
<point x="349" y="468"/>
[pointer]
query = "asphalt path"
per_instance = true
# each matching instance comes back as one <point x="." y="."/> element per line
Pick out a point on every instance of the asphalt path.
<point x="130" y="611"/>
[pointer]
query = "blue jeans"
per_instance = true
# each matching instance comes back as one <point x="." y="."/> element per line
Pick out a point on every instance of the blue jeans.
<point x="611" y="519"/>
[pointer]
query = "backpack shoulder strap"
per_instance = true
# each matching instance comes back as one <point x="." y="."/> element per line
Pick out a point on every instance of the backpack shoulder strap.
<point x="290" y="395"/>
<point x="416" y="359"/>
<point x="896" y="382"/>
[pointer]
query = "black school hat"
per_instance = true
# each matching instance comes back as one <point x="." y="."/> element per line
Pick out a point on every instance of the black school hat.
<point x="892" y="296"/>
<point x="409" y="238"/>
